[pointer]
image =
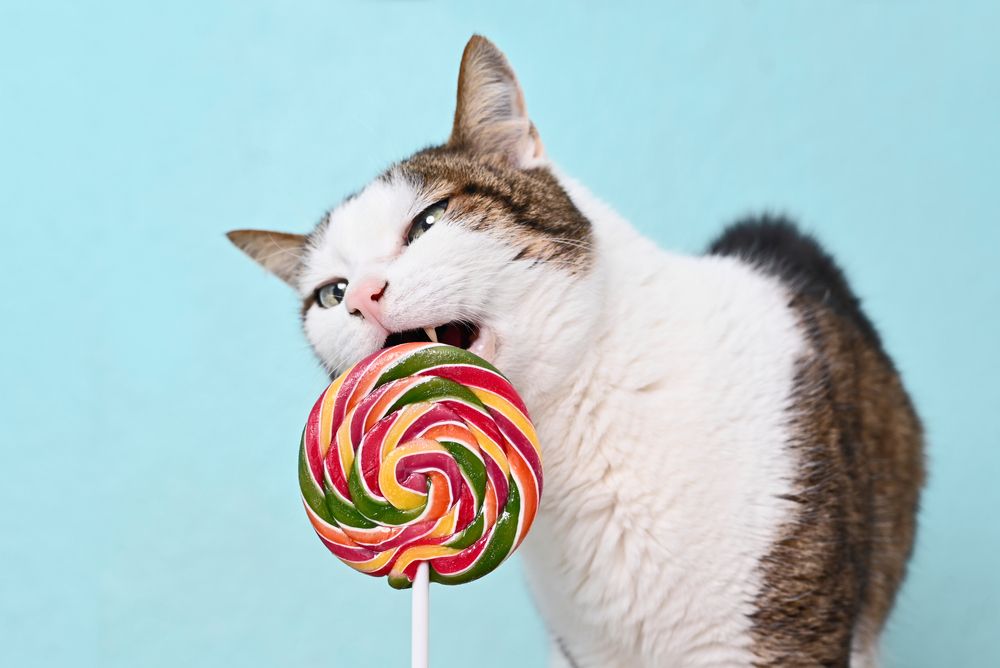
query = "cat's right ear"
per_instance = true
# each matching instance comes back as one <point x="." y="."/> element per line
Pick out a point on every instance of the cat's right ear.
<point x="279" y="253"/>
<point x="490" y="115"/>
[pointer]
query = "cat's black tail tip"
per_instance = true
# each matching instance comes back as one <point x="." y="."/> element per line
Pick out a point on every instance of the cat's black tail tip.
<point x="775" y="245"/>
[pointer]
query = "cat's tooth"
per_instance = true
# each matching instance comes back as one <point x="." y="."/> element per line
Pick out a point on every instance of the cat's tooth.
<point x="431" y="334"/>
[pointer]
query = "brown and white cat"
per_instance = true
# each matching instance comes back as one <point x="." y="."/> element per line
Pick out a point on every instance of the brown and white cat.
<point x="732" y="464"/>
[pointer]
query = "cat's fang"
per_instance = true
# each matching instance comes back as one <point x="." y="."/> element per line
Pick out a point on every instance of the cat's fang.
<point x="431" y="334"/>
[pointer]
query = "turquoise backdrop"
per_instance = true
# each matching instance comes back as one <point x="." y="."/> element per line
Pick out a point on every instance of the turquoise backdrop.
<point x="157" y="380"/>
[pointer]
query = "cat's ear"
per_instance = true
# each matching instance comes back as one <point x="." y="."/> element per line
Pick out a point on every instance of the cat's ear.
<point x="279" y="253"/>
<point x="490" y="115"/>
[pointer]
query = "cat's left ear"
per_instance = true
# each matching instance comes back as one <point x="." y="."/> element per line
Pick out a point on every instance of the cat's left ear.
<point x="278" y="252"/>
<point x="490" y="115"/>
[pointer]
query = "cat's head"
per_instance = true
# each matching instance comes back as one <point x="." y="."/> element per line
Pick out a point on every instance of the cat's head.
<point x="474" y="243"/>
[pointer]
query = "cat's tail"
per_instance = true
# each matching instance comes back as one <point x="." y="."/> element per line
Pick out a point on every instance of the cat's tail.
<point x="776" y="246"/>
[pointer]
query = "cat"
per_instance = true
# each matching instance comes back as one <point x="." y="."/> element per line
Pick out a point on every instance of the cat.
<point x="732" y="463"/>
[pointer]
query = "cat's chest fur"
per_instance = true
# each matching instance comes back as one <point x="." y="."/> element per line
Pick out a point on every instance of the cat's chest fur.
<point x="665" y="465"/>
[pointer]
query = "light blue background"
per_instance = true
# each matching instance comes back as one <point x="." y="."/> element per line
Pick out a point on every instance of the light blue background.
<point x="156" y="380"/>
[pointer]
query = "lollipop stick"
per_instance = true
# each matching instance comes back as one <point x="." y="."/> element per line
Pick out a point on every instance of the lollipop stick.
<point x="421" y="601"/>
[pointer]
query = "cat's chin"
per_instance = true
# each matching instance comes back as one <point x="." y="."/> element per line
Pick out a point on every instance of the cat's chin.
<point x="477" y="339"/>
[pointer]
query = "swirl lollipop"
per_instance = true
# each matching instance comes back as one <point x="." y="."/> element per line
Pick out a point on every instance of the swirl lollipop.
<point x="421" y="454"/>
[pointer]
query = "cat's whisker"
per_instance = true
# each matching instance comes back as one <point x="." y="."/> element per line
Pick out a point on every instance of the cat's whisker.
<point x="575" y="243"/>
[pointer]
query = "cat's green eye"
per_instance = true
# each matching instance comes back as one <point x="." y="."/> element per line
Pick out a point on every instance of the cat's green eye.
<point x="332" y="293"/>
<point x="425" y="220"/>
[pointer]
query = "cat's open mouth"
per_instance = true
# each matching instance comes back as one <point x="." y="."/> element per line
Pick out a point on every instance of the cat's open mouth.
<point x="470" y="336"/>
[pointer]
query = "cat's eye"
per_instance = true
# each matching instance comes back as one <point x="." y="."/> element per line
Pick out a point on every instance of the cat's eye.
<point x="425" y="220"/>
<point x="332" y="293"/>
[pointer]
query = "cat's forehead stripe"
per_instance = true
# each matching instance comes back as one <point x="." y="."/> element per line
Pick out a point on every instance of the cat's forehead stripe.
<point x="528" y="207"/>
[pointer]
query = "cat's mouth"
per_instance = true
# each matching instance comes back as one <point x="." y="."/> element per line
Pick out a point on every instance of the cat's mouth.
<point x="475" y="338"/>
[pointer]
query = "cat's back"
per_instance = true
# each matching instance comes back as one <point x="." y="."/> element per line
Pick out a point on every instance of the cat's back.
<point x="754" y="445"/>
<point x="858" y="446"/>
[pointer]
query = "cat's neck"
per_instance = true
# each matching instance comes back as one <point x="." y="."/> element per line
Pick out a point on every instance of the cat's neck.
<point x="609" y="377"/>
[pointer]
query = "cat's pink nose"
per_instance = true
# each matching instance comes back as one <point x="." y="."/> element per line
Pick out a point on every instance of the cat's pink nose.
<point x="363" y="297"/>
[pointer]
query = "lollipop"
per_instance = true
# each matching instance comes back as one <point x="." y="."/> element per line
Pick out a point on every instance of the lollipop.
<point x="421" y="454"/>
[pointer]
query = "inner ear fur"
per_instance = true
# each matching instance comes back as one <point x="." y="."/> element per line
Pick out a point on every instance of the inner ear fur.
<point x="278" y="252"/>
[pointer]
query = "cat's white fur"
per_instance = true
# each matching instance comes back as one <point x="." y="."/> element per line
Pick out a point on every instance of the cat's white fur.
<point x="663" y="489"/>
<point x="448" y="274"/>
<point x="659" y="384"/>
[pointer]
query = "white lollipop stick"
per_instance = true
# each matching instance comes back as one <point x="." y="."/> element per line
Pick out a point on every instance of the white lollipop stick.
<point x="421" y="622"/>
